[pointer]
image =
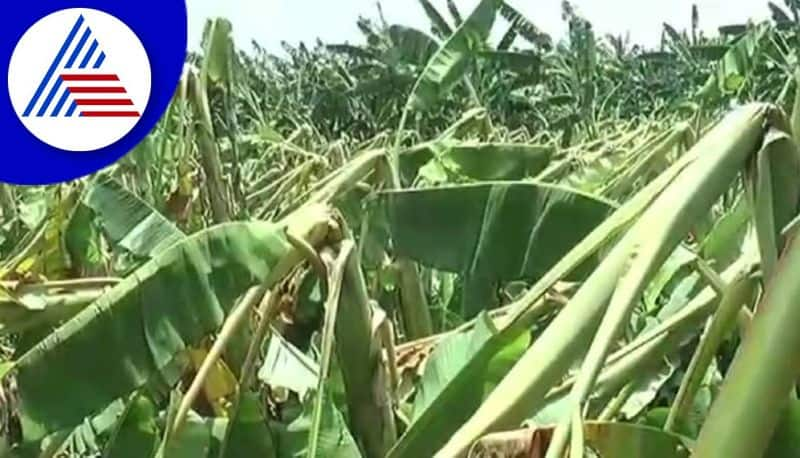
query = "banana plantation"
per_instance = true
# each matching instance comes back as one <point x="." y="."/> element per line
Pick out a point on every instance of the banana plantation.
<point x="474" y="240"/>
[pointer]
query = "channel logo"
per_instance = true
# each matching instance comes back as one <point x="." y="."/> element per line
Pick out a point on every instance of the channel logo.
<point x="79" y="79"/>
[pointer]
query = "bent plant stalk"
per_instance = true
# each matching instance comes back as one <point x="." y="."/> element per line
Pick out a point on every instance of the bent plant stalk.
<point x="427" y="434"/>
<point x="335" y="277"/>
<point x="739" y="294"/>
<point x="619" y="279"/>
<point x="359" y="350"/>
<point x="764" y="371"/>
<point x="208" y="149"/>
<point x="267" y="310"/>
<point x="673" y="214"/>
<point x="237" y="317"/>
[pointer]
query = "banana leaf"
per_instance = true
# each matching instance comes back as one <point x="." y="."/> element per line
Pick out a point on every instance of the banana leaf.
<point x="131" y="335"/>
<point x="447" y="66"/>
<point x="491" y="232"/>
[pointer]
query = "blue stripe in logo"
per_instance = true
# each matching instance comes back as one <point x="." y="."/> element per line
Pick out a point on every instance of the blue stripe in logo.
<point x="89" y="54"/>
<point x="79" y="48"/>
<point x="49" y="75"/>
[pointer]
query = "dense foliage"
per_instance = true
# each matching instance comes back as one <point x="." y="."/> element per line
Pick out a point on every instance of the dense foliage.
<point x="473" y="240"/>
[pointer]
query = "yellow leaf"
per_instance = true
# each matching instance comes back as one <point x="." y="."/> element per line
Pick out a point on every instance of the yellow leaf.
<point x="220" y="383"/>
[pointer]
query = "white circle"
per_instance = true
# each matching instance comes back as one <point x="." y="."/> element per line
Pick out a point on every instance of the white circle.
<point x="108" y="113"/>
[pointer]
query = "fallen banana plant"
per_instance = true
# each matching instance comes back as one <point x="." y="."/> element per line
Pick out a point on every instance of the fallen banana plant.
<point x="590" y="323"/>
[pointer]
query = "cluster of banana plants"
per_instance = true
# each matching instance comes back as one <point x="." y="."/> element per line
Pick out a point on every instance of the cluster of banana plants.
<point x="253" y="281"/>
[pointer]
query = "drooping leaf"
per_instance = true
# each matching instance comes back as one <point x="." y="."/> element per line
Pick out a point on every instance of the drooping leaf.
<point x="249" y="433"/>
<point x="723" y="243"/>
<point x="357" y="52"/>
<point x="678" y="260"/>
<point x="460" y="392"/>
<point x="86" y="439"/>
<point x="490" y="232"/>
<point x="732" y="29"/>
<point x="678" y="43"/>
<point x="646" y="391"/>
<point x="709" y="52"/>
<point x="135" y="331"/>
<point x="31" y="306"/>
<point x="43" y="251"/>
<point x="129" y="222"/>
<point x="508" y="39"/>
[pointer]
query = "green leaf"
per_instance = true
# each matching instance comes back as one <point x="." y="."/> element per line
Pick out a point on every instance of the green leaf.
<point x="523" y="27"/>
<point x="447" y="359"/>
<point x="439" y="25"/>
<point x="680" y="258"/>
<point x="477" y="161"/>
<point x="249" y="435"/>
<point x="490" y="232"/>
<point x="196" y="438"/>
<point x="219" y="52"/>
<point x="5" y="368"/>
<point x="138" y="434"/>
<point x="778" y="15"/>
<point x="451" y="6"/>
<point x="447" y="66"/>
<point x="410" y="46"/>
<point x="738" y="63"/>
<point x="723" y="244"/>
<point x="504" y="359"/>
<point x="335" y="440"/>
<point x="131" y="335"/>
<point x="646" y="391"/>
<point x="709" y="52"/>
<point x="460" y="391"/>
<point x="129" y="222"/>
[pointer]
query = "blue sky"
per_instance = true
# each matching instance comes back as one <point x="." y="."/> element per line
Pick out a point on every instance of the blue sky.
<point x="271" y="21"/>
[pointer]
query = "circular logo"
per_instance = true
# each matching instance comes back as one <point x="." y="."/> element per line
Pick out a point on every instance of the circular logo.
<point x="79" y="79"/>
<point x="87" y="82"/>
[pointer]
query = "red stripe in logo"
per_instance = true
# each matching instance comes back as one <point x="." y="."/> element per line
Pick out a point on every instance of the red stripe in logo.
<point x="110" y="114"/>
<point x="98" y="77"/>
